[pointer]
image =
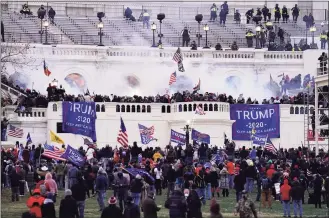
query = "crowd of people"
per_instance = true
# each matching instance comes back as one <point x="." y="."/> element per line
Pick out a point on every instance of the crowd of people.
<point x="191" y="176"/>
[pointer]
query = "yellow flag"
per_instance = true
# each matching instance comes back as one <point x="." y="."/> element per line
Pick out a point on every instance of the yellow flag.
<point x="55" y="138"/>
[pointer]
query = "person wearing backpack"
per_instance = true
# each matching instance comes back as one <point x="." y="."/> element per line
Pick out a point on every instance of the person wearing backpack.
<point x="266" y="191"/>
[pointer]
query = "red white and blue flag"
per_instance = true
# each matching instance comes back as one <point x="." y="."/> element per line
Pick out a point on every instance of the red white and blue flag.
<point x="46" y="69"/>
<point x="199" y="110"/>
<point x="173" y="78"/>
<point x="270" y="146"/>
<point x="52" y="152"/>
<point x="14" y="131"/>
<point x="122" y="138"/>
<point x="146" y="134"/>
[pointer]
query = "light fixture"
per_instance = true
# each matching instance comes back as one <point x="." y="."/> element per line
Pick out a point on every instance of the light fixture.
<point x="100" y="25"/>
<point x="206" y="27"/>
<point x="313" y="29"/>
<point x="46" y="23"/>
<point x="188" y="122"/>
<point x="153" y="26"/>
<point x="258" y="28"/>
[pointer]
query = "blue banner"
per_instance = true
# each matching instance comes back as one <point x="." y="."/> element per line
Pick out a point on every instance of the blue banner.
<point x="259" y="139"/>
<point x="80" y="118"/>
<point x="177" y="137"/>
<point x="255" y="119"/>
<point x="74" y="156"/>
<point x="200" y="137"/>
<point x="143" y="173"/>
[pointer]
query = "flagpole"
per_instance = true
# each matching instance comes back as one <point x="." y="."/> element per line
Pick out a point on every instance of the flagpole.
<point x="264" y="145"/>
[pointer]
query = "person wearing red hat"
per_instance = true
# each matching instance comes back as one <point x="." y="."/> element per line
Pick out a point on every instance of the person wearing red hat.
<point x="112" y="210"/>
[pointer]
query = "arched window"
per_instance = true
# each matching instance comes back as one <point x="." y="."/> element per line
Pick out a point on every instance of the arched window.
<point x="168" y="109"/>
<point x="296" y="110"/>
<point x="35" y="113"/>
<point x="54" y="107"/>
<point x="103" y="108"/>
<point x="205" y="107"/>
<point x="216" y="107"/>
<point x="148" y="108"/>
<point x="194" y="107"/>
<point x="43" y="114"/>
<point x="190" y="107"/>
<point x="123" y="108"/>
<point x="163" y="109"/>
<point x="138" y="108"/>
<point x="306" y="110"/>
<point x="39" y="114"/>
<point x="210" y="107"/>
<point x="180" y="108"/>
<point x="185" y="107"/>
<point x="128" y="108"/>
<point x="291" y="110"/>
<point x="301" y="110"/>
<point x="117" y="108"/>
<point x="133" y="108"/>
<point x="98" y="109"/>
<point x="143" y="109"/>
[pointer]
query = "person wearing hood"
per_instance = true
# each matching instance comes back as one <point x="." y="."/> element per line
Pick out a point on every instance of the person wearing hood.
<point x="121" y="185"/>
<point x="73" y="174"/>
<point x="136" y="188"/>
<point x="193" y="204"/>
<point x="51" y="186"/>
<point x="131" y="209"/>
<point x="102" y="185"/>
<point x="270" y="171"/>
<point x="224" y="182"/>
<point x="296" y="193"/>
<point x="149" y="207"/>
<point x="112" y="210"/>
<point x="285" y="197"/>
<point x="48" y="207"/>
<point x="177" y="205"/>
<point x="35" y="202"/>
<point x="266" y="184"/>
<point x="250" y="176"/>
<point x="68" y="207"/>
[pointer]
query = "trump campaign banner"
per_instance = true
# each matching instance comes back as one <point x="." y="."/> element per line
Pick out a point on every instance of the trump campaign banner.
<point x="255" y="119"/>
<point x="200" y="137"/>
<point x="80" y="118"/>
<point x="74" y="156"/>
<point x="177" y="137"/>
<point x="259" y="139"/>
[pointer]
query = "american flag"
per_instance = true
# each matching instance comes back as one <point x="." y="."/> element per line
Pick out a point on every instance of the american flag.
<point x="52" y="152"/>
<point x="172" y="78"/>
<point x="199" y="110"/>
<point x="122" y="136"/>
<point x="270" y="147"/>
<point x="178" y="56"/>
<point x="14" y="131"/>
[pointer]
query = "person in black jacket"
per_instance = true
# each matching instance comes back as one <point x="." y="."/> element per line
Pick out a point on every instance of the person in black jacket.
<point x="317" y="190"/>
<point x="194" y="205"/>
<point x="79" y="191"/>
<point x="51" y="15"/>
<point x="135" y="151"/>
<point x="176" y="205"/>
<point x="68" y="207"/>
<point x="131" y="209"/>
<point x="136" y="187"/>
<point x="48" y="207"/>
<point x="112" y="210"/>
<point x="14" y="182"/>
<point x="28" y="215"/>
<point x="171" y="176"/>
<point x="239" y="181"/>
<point x="250" y="178"/>
<point x="296" y="193"/>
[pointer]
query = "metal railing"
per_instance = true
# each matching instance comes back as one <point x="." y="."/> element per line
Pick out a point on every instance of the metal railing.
<point x="172" y="11"/>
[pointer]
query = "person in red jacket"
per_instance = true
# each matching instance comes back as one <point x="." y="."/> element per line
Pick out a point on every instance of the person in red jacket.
<point x="270" y="171"/>
<point x="35" y="202"/>
<point x="285" y="197"/>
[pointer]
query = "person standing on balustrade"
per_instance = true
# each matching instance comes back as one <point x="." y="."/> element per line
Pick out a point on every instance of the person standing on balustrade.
<point x="186" y="36"/>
